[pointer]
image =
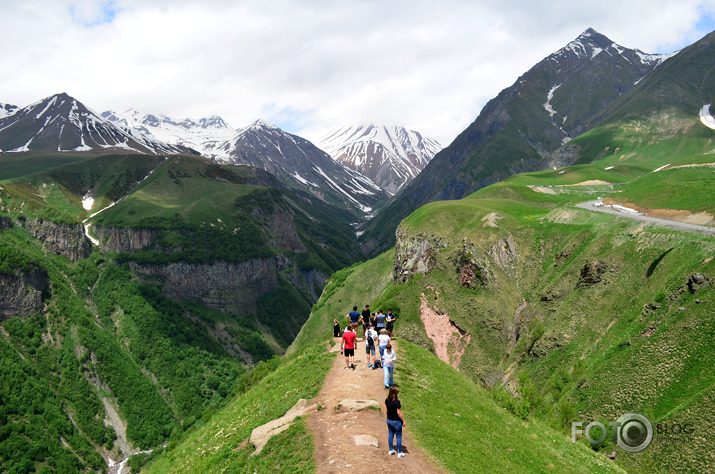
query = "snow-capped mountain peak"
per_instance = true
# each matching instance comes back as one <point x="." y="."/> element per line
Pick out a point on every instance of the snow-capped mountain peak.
<point x="389" y="155"/>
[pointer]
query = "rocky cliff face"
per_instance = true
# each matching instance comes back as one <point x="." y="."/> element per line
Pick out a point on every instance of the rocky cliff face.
<point x="21" y="293"/>
<point x="226" y="287"/>
<point x="67" y="240"/>
<point x="414" y="254"/>
<point x="123" y="239"/>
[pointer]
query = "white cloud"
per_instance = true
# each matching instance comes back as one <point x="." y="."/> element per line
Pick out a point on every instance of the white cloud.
<point x="310" y="65"/>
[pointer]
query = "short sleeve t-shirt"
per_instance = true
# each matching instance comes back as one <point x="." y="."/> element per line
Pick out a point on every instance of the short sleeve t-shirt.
<point x="392" y="406"/>
<point x="388" y="358"/>
<point x="380" y="321"/>
<point x="372" y="333"/>
<point x="354" y="316"/>
<point x="366" y="317"/>
<point x="349" y="339"/>
<point x="383" y="339"/>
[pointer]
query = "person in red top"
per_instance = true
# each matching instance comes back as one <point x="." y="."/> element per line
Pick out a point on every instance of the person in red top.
<point x="348" y="343"/>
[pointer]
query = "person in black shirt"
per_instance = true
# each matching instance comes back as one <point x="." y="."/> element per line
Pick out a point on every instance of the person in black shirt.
<point x="365" y="320"/>
<point x="395" y="421"/>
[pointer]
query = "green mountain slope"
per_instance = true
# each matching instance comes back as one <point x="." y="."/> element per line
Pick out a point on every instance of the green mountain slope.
<point x="201" y="272"/>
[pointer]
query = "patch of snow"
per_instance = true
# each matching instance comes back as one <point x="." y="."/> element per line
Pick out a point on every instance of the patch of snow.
<point x="87" y="201"/>
<point x="610" y="167"/>
<point x="303" y="180"/>
<point x="706" y="118"/>
<point x="549" y="96"/>
<point x="664" y="166"/>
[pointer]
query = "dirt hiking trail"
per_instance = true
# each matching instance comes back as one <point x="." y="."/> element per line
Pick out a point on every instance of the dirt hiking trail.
<point x="349" y="436"/>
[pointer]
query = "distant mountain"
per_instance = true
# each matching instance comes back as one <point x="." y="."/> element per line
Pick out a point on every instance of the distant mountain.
<point x="556" y="100"/>
<point x="7" y="109"/>
<point x="61" y="123"/>
<point x="204" y="135"/>
<point x="389" y="155"/>
<point x="298" y="163"/>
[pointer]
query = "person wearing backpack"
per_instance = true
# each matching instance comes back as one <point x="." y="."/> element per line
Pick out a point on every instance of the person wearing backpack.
<point x="370" y="342"/>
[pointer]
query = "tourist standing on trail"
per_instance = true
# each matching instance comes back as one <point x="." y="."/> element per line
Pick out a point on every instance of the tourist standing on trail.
<point x="388" y="364"/>
<point x="382" y="341"/>
<point x="353" y="316"/>
<point x="336" y="328"/>
<point x="389" y="321"/>
<point x="348" y="343"/>
<point x="379" y="321"/>
<point x="370" y="343"/>
<point x="395" y="421"/>
<point x="365" y="320"/>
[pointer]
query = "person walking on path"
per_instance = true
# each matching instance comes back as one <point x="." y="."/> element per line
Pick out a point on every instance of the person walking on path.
<point x="382" y="341"/>
<point x="388" y="364"/>
<point x="389" y="321"/>
<point x="365" y="320"/>
<point x="348" y="343"/>
<point x="336" y="328"/>
<point x="353" y="316"/>
<point x="370" y="344"/>
<point x="395" y="421"/>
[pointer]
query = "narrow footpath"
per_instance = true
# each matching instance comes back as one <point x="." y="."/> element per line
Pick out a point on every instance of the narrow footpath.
<point x="349" y="435"/>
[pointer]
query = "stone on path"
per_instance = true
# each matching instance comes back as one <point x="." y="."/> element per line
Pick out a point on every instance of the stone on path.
<point x="365" y="440"/>
<point x="356" y="405"/>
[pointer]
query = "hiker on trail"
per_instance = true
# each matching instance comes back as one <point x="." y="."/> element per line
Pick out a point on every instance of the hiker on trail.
<point x="353" y="315"/>
<point x="336" y="328"/>
<point x="379" y="321"/>
<point x="382" y="341"/>
<point x="365" y="320"/>
<point x="348" y="343"/>
<point x="388" y="364"/>
<point x="370" y="343"/>
<point x="389" y="321"/>
<point x="395" y="421"/>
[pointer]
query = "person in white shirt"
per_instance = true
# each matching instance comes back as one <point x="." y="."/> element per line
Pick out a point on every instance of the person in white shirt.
<point x="388" y="364"/>
<point x="371" y="336"/>
<point x="382" y="340"/>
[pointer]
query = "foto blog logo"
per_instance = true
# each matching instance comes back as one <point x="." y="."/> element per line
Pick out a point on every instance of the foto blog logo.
<point x="632" y="432"/>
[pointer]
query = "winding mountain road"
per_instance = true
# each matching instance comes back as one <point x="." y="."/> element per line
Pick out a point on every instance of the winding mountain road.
<point x="684" y="226"/>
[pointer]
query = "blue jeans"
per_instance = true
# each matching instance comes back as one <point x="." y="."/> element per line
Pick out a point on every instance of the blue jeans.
<point x="388" y="369"/>
<point x="382" y="349"/>
<point x="394" y="428"/>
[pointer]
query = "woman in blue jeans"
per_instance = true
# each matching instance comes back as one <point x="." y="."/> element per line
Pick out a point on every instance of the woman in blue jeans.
<point x="395" y="421"/>
<point x="388" y="364"/>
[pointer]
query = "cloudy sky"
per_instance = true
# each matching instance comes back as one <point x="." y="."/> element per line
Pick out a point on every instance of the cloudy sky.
<point x="311" y="65"/>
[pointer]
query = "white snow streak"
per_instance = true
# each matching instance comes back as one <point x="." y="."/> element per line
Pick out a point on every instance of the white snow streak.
<point x="706" y="118"/>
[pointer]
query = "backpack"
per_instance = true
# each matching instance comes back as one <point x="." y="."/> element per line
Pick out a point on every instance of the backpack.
<point x="370" y="340"/>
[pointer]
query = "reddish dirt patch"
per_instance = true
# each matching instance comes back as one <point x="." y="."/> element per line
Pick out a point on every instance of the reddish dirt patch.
<point x="450" y="341"/>
<point x="336" y="450"/>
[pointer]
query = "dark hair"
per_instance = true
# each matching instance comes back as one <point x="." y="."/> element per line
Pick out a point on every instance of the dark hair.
<point x="388" y="346"/>
<point x="354" y="308"/>
<point x="392" y="395"/>
<point x="367" y="306"/>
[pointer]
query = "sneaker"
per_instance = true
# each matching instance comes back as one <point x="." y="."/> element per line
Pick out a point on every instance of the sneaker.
<point x="401" y="455"/>
<point x="387" y="388"/>
<point x="392" y="451"/>
<point x="347" y="367"/>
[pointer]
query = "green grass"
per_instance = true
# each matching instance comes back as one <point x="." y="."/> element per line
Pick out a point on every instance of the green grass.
<point x="460" y="425"/>
<point x="212" y="447"/>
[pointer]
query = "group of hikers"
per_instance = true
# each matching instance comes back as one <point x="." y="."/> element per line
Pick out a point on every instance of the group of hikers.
<point x="376" y="332"/>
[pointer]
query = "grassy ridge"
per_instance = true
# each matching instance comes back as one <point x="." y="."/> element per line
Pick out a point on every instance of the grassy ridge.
<point x="215" y="446"/>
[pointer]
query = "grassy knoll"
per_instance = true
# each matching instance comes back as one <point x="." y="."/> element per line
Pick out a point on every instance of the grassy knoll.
<point x="462" y="427"/>
<point x="215" y="444"/>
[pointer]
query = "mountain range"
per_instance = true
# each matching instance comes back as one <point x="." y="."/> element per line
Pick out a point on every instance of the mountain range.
<point x="526" y="127"/>
<point x="160" y="333"/>
<point x="391" y="156"/>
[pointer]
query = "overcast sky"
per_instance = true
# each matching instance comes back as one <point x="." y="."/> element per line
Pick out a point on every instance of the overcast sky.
<point x="312" y="65"/>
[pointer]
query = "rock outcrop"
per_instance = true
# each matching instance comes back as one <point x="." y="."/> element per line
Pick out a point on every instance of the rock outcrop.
<point x="224" y="286"/>
<point x="415" y="254"/>
<point x="123" y="239"/>
<point x="21" y="293"/>
<point x="67" y="240"/>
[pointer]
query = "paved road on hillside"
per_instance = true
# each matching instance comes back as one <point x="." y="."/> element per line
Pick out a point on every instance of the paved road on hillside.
<point x="589" y="205"/>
